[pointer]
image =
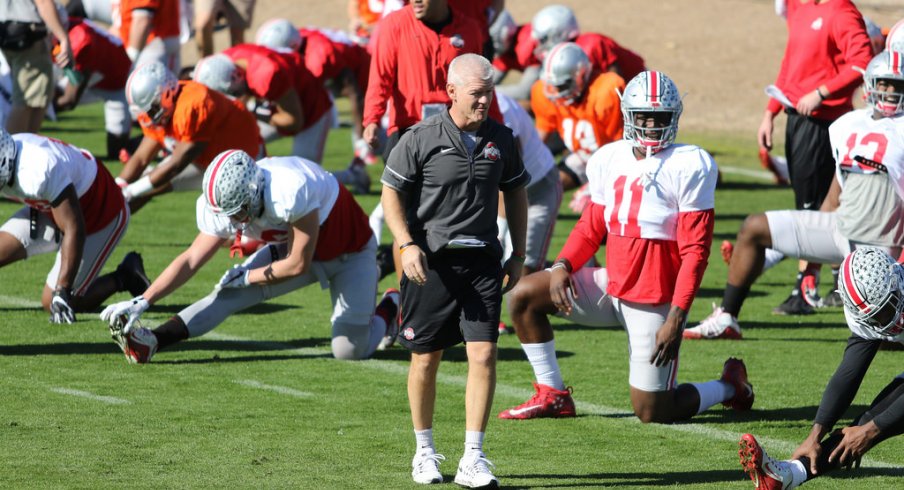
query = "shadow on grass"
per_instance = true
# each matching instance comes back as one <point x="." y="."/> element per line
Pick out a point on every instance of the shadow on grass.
<point x="751" y="186"/>
<point x="258" y="309"/>
<point x="717" y="293"/>
<point x="621" y="479"/>
<point x="76" y="348"/>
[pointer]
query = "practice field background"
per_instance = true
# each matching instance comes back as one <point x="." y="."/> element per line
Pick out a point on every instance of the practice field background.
<point x="259" y="402"/>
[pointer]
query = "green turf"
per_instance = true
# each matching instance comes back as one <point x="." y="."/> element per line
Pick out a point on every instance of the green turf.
<point x="259" y="403"/>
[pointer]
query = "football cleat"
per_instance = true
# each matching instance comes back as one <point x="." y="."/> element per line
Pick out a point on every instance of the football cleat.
<point x="425" y="468"/>
<point x="769" y="163"/>
<point x="503" y="329"/>
<point x="474" y="471"/>
<point x="131" y="274"/>
<point x="832" y="299"/>
<point x="793" y="305"/>
<point x="809" y="291"/>
<point x="766" y="473"/>
<point x="718" y="325"/>
<point x="727" y="250"/>
<point x="546" y="402"/>
<point x="138" y="344"/>
<point x="365" y="152"/>
<point x="390" y="304"/>
<point x="734" y="372"/>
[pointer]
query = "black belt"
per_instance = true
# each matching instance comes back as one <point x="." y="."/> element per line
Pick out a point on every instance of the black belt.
<point x="871" y="164"/>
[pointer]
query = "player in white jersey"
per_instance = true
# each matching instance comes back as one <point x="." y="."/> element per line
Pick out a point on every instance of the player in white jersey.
<point x="544" y="193"/>
<point x="871" y="284"/>
<point x="652" y="203"/>
<point x="863" y="207"/>
<point x="72" y="207"/>
<point x="317" y="234"/>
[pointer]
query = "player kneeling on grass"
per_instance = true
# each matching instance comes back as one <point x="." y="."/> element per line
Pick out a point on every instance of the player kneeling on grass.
<point x="652" y="204"/>
<point x="316" y="233"/>
<point x="871" y="284"/>
<point x="72" y="207"/>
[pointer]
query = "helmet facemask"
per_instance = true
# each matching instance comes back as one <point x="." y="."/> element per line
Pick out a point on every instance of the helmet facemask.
<point x="651" y="129"/>
<point x="870" y="284"/>
<point x="651" y="108"/>
<point x="885" y="102"/>
<point x="565" y="73"/>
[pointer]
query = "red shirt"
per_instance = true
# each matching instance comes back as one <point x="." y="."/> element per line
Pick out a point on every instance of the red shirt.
<point x="825" y="43"/>
<point x="95" y="51"/>
<point x="409" y="66"/>
<point x="475" y="9"/>
<point x="346" y="229"/>
<point x="602" y="50"/>
<point x="267" y="74"/>
<point x="326" y="56"/>
<point x="520" y="55"/>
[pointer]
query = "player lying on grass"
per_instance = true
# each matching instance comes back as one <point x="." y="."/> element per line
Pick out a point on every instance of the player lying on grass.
<point x="317" y="234"/>
<point x="871" y="284"/>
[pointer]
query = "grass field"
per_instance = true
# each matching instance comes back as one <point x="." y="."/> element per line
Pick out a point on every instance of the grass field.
<point x="259" y="402"/>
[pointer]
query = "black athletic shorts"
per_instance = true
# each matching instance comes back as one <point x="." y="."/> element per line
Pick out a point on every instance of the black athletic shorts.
<point x="811" y="165"/>
<point x="461" y="301"/>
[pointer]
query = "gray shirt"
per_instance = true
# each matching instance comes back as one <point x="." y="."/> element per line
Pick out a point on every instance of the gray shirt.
<point x="881" y="221"/>
<point x="452" y="193"/>
<point x="20" y="11"/>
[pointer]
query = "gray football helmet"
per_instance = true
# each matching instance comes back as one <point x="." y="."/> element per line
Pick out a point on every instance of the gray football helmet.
<point x="152" y="89"/>
<point x="870" y="283"/>
<point x="651" y="91"/>
<point x="565" y="73"/>
<point x="502" y="32"/>
<point x="553" y="25"/>
<point x="234" y="184"/>
<point x="895" y="39"/>
<point x="278" y="34"/>
<point x="220" y="73"/>
<point x="7" y="157"/>
<point x="887" y="65"/>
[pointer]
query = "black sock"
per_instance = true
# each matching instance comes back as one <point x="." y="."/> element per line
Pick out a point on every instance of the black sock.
<point x="733" y="298"/>
<point x="172" y="331"/>
<point x="834" y="279"/>
<point x="800" y="279"/>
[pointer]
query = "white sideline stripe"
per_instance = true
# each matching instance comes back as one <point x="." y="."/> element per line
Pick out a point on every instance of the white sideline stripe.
<point x="759" y="174"/>
<point x="16" y="301"/>
<point x="279" y="389"/>
<point x="775" y="446"/>
<point x="91" y="396"/>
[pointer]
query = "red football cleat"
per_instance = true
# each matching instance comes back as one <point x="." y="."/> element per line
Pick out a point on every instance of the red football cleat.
<point x="766" y="473"/>
<point x="727" y="249"/>
<point x="547" y="402"/>
<point x="734" y="372"/>
<point x="768" y="164"/>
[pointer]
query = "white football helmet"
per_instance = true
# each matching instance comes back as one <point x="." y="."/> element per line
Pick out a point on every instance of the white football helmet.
<point x="894" y="41"/>
<point x="152" y="89"/>
<point x="278" y="34"/>
<point x="553" y="25"/>
<point x="651" y="91"/>
<point x="7" y="157"/>
<point x="502" y="32"/>
<point x="220" y="73"/>
<point x="233" y="184"/>
<point x="565" y="73"/>
<point x="887" y="65"/>
<point x="870" y="283"/>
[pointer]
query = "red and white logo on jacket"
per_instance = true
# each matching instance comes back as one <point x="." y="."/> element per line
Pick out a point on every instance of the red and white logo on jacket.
<point x="491" y="151"/>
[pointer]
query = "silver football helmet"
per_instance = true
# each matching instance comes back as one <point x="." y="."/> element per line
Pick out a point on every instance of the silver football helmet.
<point x="7" y="157"/>
<point x="553" y="25"/>
<point x="502" y="32"/>
<point x="220" y="73"/>
<point x="278" y="34"/>
<point x="895" y="39"/>
<point x="152" y="89"/>
<point x="234" y="186"/>
<point x="887" y="65"/>
<point x="565" y="73"/>
<point x="870" y="283"/>
<point x="651" y="92"/>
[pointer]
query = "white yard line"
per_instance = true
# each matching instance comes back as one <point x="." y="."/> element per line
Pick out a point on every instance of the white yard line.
<point x="278" y="389"/>
<point x="91" y="396"/>
<point x="759" y="174"/>
<point x="16" y="301"/>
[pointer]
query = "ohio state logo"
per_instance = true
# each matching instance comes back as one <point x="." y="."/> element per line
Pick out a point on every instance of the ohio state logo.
<point x="408" y="333"/>
<point x="491" y="151"/>
<point x="457" y="41"/>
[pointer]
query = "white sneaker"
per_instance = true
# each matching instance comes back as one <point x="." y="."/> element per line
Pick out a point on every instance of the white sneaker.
<point x="392" y="329"/>
<point x="425" y="468"/>
<point x="474" y="471"/>
<point x="138" y="344"/>
<point x="718" y="325"/>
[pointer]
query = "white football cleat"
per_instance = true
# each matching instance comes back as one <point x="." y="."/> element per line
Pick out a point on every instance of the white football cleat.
<point x="718" y="325"/>
<point x="391" y="300"/>
<point x="474" y="471"/>
<point x="425" y="468"/>
<point x="139" y="344"/>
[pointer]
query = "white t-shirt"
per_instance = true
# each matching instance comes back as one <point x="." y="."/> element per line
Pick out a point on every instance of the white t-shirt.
<point x="294" y="187"/>
<point x="45" y="167"/>
<point x="642" y="198"/>
<point x="857" y="134"/>
<point x="538" y="160"/>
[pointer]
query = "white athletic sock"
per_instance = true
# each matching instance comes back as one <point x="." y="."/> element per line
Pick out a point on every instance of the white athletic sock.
<point x="376" y="222"/>
<point x="542" y="358"/>
<point x="798" y="473"/>
<point x="424" y="440"/>
<point x="473" y="441"/>
<point x="713" y="392"/>
<point x="772" y="257"/>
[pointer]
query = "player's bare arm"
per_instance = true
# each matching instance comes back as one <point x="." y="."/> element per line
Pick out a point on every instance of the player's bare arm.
<point x="67" y="213"/>
<point x="833" y="198"/>
<point x="142" y="23"/>
<point x="561" y="289"/>
<point x="184" y="267"/>
<point x="668" y="338"/>
<point x="289" y="114"/>
<point x="184" y="153"/>
<point x="302" y="242"/>
<point x="516" y="213"/>
<point x="139" y="160"/>
<point x="414" y="261"/>
<point x="810" y="448"/>
<point x="857" y="440"/>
